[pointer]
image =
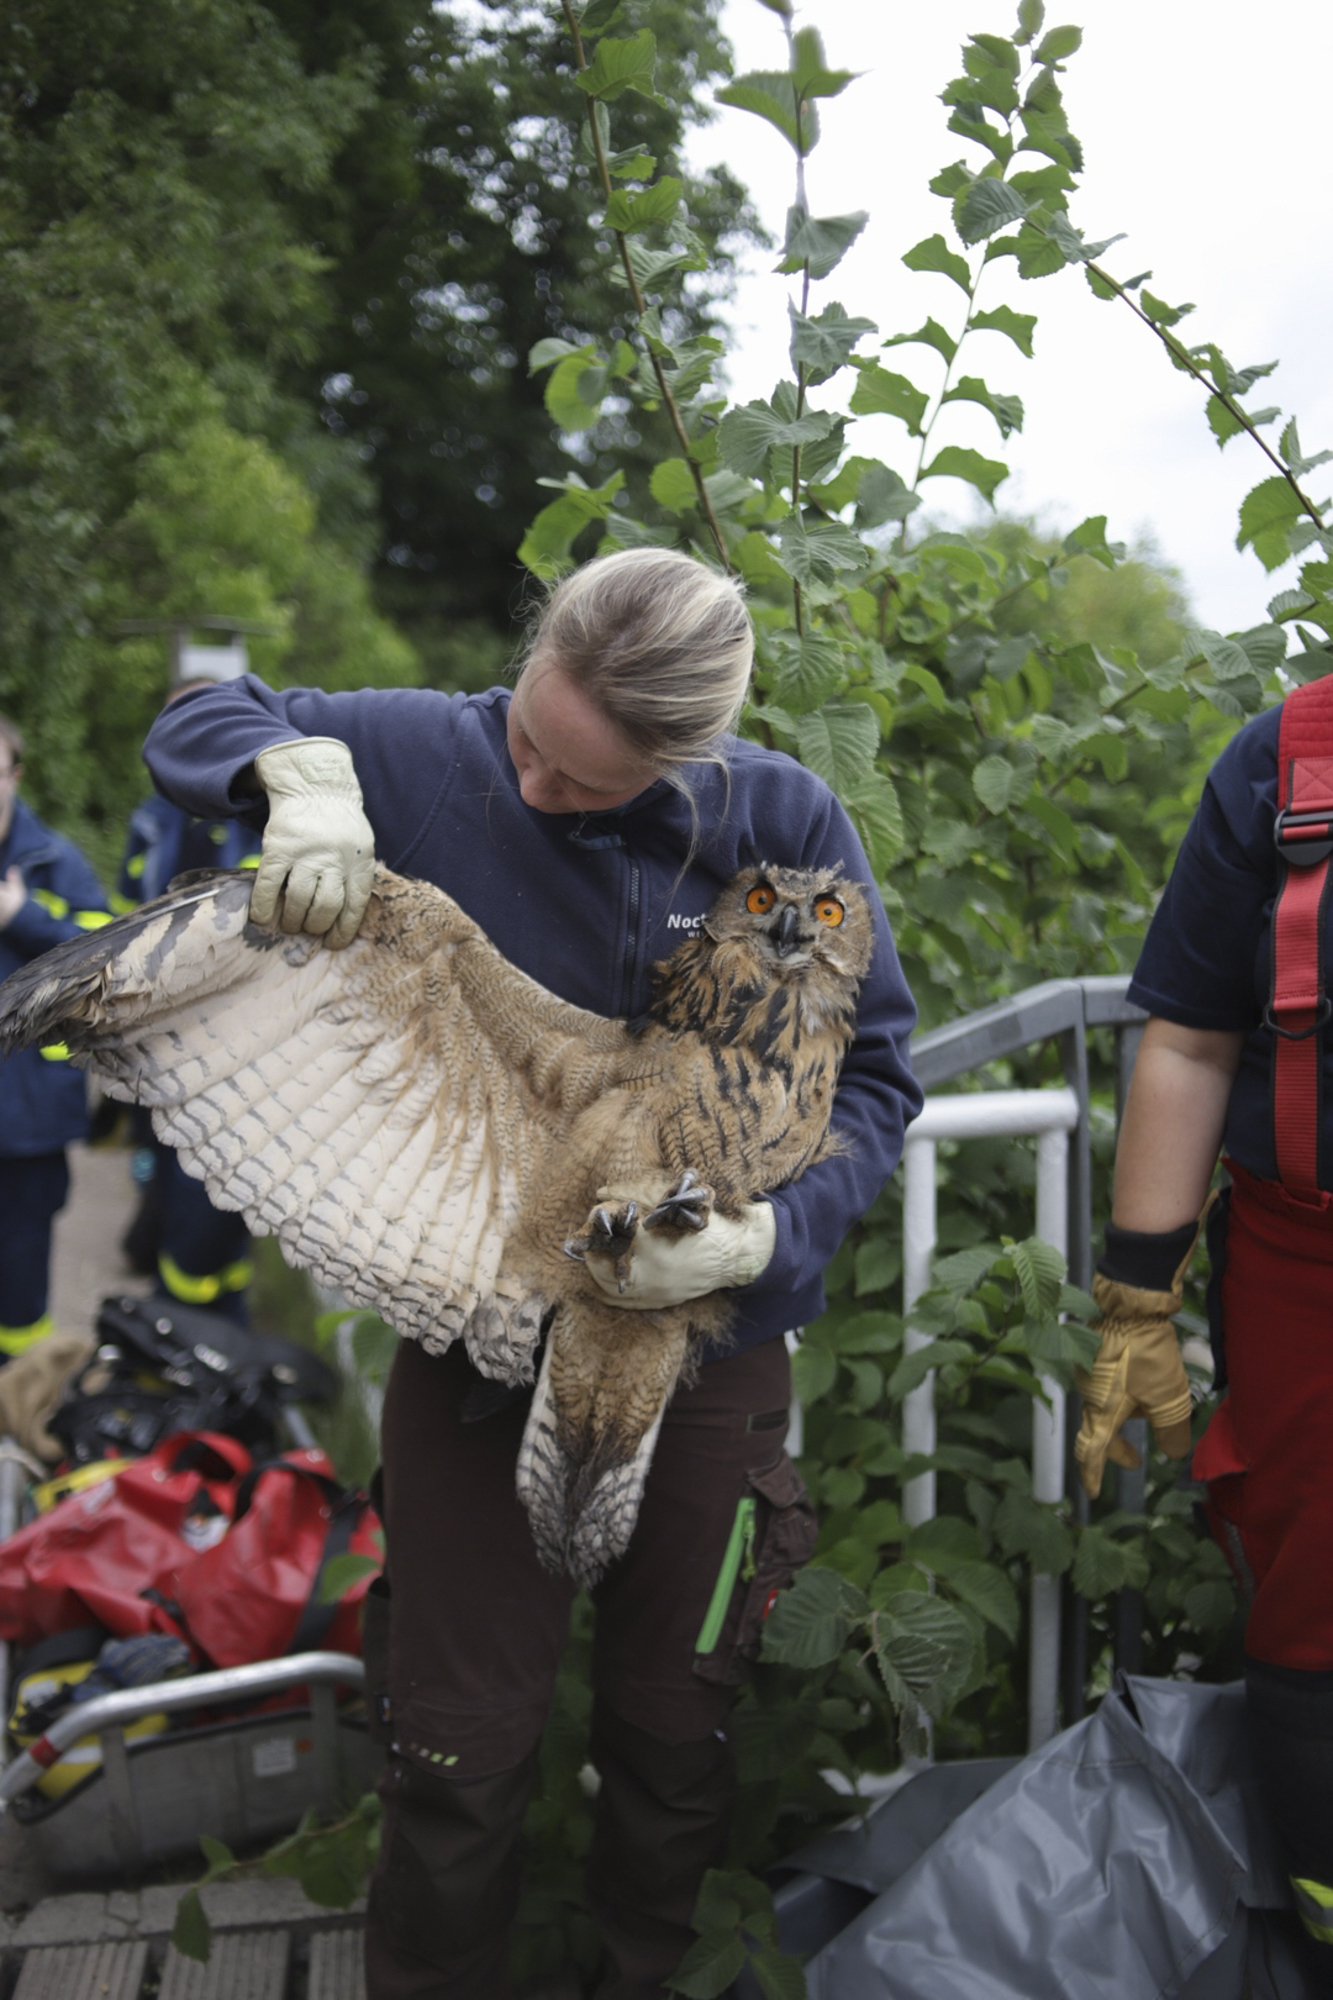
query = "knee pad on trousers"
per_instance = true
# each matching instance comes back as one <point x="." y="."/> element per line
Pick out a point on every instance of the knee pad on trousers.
<point x="446" y="1882"/>
<point x="1290" y="1717"/>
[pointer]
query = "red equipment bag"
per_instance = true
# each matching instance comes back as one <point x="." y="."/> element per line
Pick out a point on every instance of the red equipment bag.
<point x="112" y="1553"/>
<point x="256" y="1595"/>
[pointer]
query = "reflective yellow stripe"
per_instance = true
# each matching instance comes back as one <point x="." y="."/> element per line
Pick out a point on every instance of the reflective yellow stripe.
<point x="135" y="866"/>
<point x="18" y="1339"/>
<point x="203" y="1291"/>
<point x="56" y="905"/>
<point x="55" y="1052"/>
<point x="1314" y="1903"/>
<point x="122" y="905"/>
<point x="92" y="920"/>
<point x="250" y="861"/>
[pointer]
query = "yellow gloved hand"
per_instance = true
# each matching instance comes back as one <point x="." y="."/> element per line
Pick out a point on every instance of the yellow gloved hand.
<point x="1138" y="1373"/>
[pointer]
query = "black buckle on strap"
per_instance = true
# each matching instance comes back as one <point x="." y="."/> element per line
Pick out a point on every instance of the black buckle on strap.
<point x="1322" y="1012"/>
<point x="1303" y="839"/>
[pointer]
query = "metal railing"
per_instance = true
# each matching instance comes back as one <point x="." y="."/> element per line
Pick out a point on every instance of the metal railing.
<point x="1062" y="1011"/>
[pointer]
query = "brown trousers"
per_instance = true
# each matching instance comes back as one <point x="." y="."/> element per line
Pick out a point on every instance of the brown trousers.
<point x="475" y="1636"/>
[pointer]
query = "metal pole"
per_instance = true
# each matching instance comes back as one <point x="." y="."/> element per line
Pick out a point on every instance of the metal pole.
<point x="1048" y="1457"/>
<point x="11" y="1497"/>
<point x="919" y="1228"/>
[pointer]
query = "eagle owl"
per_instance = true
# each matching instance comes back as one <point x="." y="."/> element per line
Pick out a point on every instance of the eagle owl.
<point x="430" y="1131"/>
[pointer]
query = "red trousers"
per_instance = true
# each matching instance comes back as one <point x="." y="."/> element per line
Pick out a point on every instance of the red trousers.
<point x="1267" y="1455"/>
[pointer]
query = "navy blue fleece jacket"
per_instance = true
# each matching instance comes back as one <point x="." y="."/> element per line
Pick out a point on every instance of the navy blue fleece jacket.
<point x="586" y="903"/>
<point x="43" y="1099"/>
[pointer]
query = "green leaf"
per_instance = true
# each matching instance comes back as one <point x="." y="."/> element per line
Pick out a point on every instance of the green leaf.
<point x="997" y="783"/>
<point x="1265" y="646"/>
<point x="655" y="205"/>
<point x="192" y="1934"/>
<point x="1089" y="539"/>
<point x="747" y="434"/>
<point x="546" y="546"/>
<point x="1031" y="14"/>
<point x="1006" y="410"/>
<point x="619" y="66"/>
<point x="1099" y="1565"/>
<point x="672" y="485"/>
<point x="883" y="495"/>
<point x="984" y="207"/>
<point x="1026" y="1527"/>
<point x="838" y="743"/>
<point x="779" y="1974"/>
<point x="709" y="1967"/>
<point x="547" y="352"/>
<point x="924" y="1648"/>
<point x="814" y="552"/>
<point x="1040" y="1270"/>
<point x="819" y="241"/>
<point x="374" y="1345"/>
<point x="574" y="391"/>
<point x="769" y="94"/>
<point x="879" y="392"/>
<point x="932" y="334"/>
<point x="1267" y="516"/>
<point x="913" y="1369"/>
<point x="814" y="1370"/>
<point x="217" y="1854"/>
<point x="956" y="463"/>
<point x="1057" y="44"/>
<point x="810" y="1623"/>
<point x="599" y="15"/>
<point x="809" y="670"/>
<point x="824" y="344"/>
<point x="873" y="805"/>
<point x="810" y="72"/>
<point x="934" y="254"/>
<point x="1228" y="660"/>
<point x="343" y="1573"/>
<point x="1017" y="326"/>
<point x="986" y="1589"/>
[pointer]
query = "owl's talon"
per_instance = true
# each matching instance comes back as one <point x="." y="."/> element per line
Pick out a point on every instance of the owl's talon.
<point x="688" y="1206"/>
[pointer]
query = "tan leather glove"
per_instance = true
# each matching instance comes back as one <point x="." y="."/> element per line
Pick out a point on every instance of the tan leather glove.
<point x="31" y="1386"/>
<point x="1138" y="1373"/>
<point x="667" y="1269"/>
<point x="318" y="861"/>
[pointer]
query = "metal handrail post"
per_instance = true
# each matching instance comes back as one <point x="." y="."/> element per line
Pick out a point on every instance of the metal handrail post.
<point x="1048" y="1455"/>
<point x="919" y="1236"/>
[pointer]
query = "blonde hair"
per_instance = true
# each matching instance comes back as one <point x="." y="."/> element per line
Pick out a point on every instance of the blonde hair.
<point x="660" y="644"/>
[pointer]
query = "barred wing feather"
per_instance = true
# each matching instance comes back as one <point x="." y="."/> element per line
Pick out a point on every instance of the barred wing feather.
<point x="383" y="1110"/>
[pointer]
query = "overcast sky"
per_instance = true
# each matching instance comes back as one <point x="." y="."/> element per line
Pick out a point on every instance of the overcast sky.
<point x="1206" y="138"/>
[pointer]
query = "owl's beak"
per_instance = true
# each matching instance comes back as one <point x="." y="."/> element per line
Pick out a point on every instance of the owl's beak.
<point x="784" y="937"/>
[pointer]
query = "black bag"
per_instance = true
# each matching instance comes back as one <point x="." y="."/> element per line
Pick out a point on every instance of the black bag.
<point x="162" y="1367"/>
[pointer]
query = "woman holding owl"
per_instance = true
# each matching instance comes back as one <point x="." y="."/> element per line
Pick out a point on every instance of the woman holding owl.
<point x="586" y="820"/>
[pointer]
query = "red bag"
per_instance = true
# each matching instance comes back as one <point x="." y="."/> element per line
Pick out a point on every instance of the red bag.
<point x="256" y="1595"/>
<point x="111" y="1555"/>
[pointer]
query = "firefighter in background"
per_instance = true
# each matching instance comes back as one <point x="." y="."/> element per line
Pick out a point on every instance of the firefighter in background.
<point x="1236" y="1058"/>
<point x="48" y="892"/>
<point x="193" y="1251"/>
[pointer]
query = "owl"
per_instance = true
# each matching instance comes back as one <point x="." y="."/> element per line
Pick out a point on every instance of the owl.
<point x="428" y="1130"/>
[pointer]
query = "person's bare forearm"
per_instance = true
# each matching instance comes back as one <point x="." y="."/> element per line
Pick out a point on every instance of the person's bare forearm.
<point x="1172" y="1128"/>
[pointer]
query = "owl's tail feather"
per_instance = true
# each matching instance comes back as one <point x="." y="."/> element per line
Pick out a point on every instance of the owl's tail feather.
<point x="582" y="1503"/>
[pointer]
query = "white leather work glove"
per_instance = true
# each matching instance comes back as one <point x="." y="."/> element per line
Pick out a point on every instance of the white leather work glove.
<point x="318" y="860"/>
<point x="667" y="1268"/>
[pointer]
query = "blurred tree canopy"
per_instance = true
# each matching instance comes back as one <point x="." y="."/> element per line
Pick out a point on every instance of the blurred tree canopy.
<point x="269" y="276"/>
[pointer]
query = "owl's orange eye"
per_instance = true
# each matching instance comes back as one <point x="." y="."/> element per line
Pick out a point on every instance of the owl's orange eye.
<point x="830" y="911"/>
<point x="760" y="900"/>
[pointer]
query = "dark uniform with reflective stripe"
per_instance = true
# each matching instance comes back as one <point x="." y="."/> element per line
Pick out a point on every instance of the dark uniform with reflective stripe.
<point x="43" y="1099"/>
<point x="197" y="1253"/>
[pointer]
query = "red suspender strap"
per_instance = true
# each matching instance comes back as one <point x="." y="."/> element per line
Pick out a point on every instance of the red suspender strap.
<point x="1299" y="1007"/>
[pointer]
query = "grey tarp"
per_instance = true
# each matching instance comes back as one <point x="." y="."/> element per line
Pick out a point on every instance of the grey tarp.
<point x="1116" y="1863"/>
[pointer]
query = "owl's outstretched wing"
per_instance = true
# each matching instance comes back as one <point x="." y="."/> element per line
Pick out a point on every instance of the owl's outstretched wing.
<point x="382" y="1109"/>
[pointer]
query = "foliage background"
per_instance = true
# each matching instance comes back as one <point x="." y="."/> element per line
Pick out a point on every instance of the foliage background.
<point x="296" y="302"/>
